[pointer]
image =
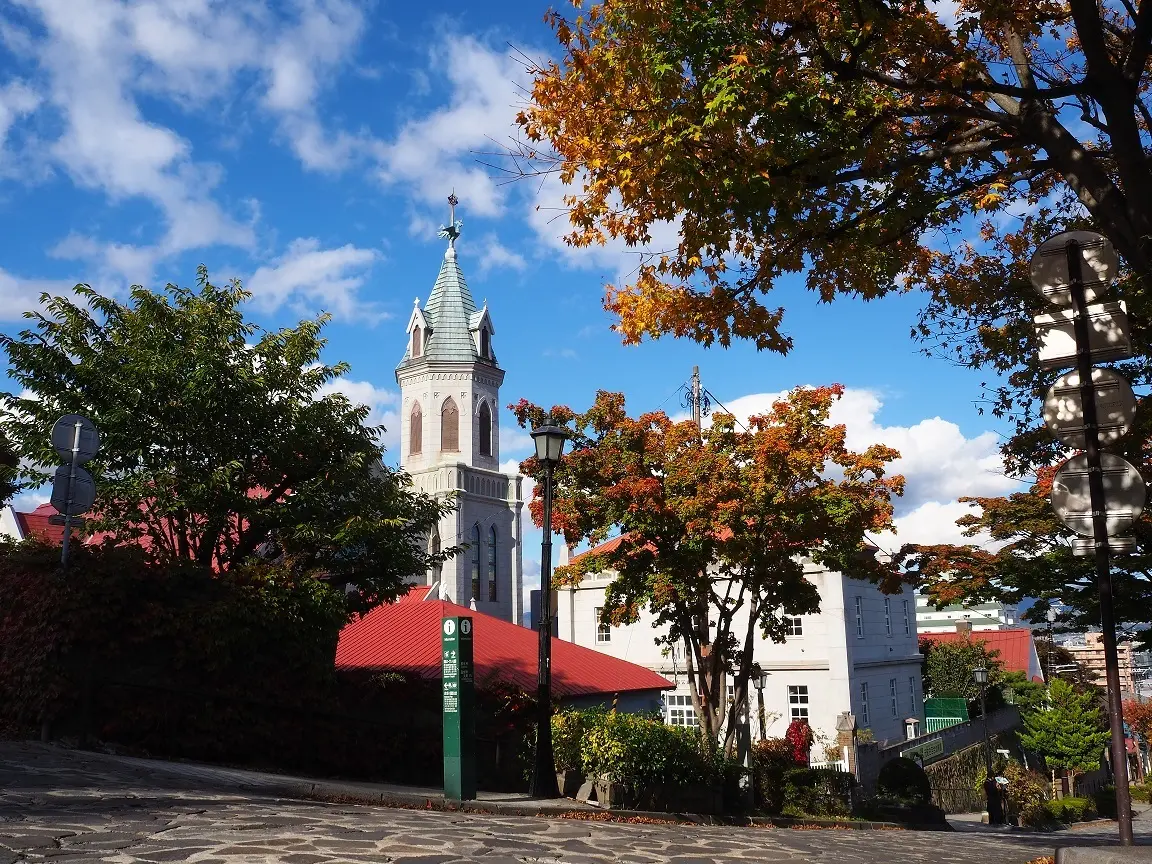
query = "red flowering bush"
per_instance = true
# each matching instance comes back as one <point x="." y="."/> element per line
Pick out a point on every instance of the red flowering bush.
<point x="800" y="737"/>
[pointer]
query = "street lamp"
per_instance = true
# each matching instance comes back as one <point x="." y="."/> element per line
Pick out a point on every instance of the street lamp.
<point x="980" y="676"/>
<point x="760" y="680"/>
<point x="549" y="448"/>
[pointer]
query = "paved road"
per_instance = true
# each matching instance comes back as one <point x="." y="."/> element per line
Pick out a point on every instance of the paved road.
<point x="65" y="806"/>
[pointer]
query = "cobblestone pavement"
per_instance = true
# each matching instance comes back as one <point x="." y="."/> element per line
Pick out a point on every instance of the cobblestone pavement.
<point x="63" y="806"/>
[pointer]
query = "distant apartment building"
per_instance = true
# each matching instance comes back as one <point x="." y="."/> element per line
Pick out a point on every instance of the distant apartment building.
<point x="1089" y="653"/>
<point x="982" y="616"/>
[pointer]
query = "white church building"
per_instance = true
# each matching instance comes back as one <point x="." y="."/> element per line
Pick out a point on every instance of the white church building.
<point x="450" y="443"/>
<point x="858" y="654"/>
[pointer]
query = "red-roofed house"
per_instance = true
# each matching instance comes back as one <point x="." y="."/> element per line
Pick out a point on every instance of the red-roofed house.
<point x="1016" y="646"/>
<point x="25" y="526"/>
<point x="405" y="637"/>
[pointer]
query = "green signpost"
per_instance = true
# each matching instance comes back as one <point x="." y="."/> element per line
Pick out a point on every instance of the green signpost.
<point x="459" y="721"/>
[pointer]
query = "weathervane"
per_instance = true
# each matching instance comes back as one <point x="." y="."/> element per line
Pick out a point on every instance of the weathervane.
<point x="452" y="229"/>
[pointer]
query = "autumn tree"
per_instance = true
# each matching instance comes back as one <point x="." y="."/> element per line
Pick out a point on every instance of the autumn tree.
<point x="716" y="526"/>
<point x="847" y="140"/>
<point x="221" y="442"/>
<point x="1069" y="732"/>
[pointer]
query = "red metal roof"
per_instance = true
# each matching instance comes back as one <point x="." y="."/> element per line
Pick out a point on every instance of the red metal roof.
<point x="1014" y="644"/>
<point x="405" y="637"/>
<point x="35" y="524"/>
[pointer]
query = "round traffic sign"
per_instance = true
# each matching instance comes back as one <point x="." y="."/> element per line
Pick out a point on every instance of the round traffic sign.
<point x="1064" y="412"/>
<point x="1098" y="266"/>
<point x="77" y="499"/>
<point x="64" y="438"/>
<point x="1123" y="494"/>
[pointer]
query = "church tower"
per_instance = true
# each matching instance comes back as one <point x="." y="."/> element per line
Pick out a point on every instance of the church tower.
<point x="450" y="441"/>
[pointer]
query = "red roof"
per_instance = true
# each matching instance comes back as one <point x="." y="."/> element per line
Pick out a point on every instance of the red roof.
<point x="1016" y="647"/>
<point x="35" y="524"/>
<point x="405" y="637"/>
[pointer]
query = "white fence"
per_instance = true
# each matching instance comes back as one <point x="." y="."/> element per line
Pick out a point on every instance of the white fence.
<point x="838" y="765"/>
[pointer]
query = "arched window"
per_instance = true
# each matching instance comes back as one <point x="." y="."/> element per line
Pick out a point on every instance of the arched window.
<point x="417" y="341"/>
<point x="476" y="562"/>
<point x="449" y="426"/>
<point x="492" y="594"/>
<point x="415" y="430"/>
<point x="434" y="548"/>
<point x="485" y="344"/>
<point x="485" y="430"/>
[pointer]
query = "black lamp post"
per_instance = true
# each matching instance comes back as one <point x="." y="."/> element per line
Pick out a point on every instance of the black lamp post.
<point x="760" y="679"/>
<point x="549" y="448"/>
<point x="980" y="676"/>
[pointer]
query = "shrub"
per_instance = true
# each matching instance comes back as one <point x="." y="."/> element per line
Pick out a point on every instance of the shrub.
<point x="638" y="752"/>
<point x="1105" y="801"/>
<point x="904" y="780"/>
<point x="1069" y="810"/>
<point x="1140" y="792"/>
<point x="771" y="760"/>
<point x="817" y="792"/>
<point x="569" y="730"/>
<point x="1027" y="797"/>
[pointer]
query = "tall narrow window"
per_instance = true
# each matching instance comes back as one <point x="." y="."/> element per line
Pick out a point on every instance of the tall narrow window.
<point x="416" y="431"/>
<point x="449" y="426"/>
<point x="864" y="702"/>
<point x="485" y="430"/>
<point x="417" y="341"/>
<point x="895" y="698"/>
<point x="887" y="616"/>
<point x="907" y="623"/>
<point x="475" y="562"/>
<point x="434" y="548"/>
<point x="485" y="344"/>
<point x="912" y="691"/>
<point x="859" y="618"/>
<point x="492" y="592"/>
<point x="798" y="702"/>
<point x="603" y="630"/>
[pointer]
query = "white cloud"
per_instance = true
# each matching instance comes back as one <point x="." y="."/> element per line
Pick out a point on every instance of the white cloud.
<point x="931" y="523"/>
<point x="438" y="152"/>
<point x="494" y="255"/>
<point x="309" y="276"/>
<point x="18" y="295"/>
<point x="96" y="60"/>
<point x="514" y="440"/>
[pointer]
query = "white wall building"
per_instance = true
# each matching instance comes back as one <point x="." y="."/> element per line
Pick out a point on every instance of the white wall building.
<point x="450" y="442"/>
<point x="982" y="616"/>
<point x="858" y="654"/>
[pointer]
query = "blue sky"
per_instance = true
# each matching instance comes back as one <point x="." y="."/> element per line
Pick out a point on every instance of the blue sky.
<point x="307" y="147"/>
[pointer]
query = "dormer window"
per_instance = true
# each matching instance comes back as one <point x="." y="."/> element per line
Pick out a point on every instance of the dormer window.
<point x="417" y="341"/>
<point x="485" y="344"/>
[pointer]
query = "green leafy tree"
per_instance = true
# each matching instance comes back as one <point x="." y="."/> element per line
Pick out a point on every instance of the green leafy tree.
<point x="716" y="526"/>
<point x="948" y="667"/>
<point x="1069" y="732"/>
<point x="221" y="442"/>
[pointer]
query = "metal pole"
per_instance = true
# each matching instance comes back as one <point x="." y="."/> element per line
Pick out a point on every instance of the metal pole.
<point x="696" y="412"/>
<point x="71" y="486"/>
<point x="544" y="774"/>
<point x="987" y="736"/>
<point x="760" y="709"/>
<point x="1100" y="539"/>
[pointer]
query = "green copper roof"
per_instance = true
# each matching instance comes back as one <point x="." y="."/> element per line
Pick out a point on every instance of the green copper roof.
<point x="451" y="313"/>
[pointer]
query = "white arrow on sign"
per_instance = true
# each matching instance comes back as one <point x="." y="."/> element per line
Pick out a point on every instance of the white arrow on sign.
<point x="1049" y="266"/>
<point x="1064" y="412"/>
<point x="1123" y="494"/>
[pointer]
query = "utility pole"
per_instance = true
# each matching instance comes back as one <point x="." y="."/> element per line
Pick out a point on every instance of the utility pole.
<point x="696" y="413"/>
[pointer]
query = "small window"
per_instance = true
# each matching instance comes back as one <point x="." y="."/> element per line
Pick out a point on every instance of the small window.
<point x="895" y="698"/>
<point x="417" y="341"/>
<point x="887" y="616"/>
<point x="907" y="622"/>
<point x="680" y="710"/>
<point x="912" y="691"/>
<point x="434" y="548"/>
<point x="798" y="701"/>
<point x="864" y="702"/>
<point x="793" y="626"/>
<point x="859" y="618"/>
<point x="603" y="630"/>
<point x="415" y="431"/>
<point x="485" y="425"/>
<point x="475" y="562"/>
<point x="492" y="592"/>
<point x="449" y="426"/>
<point x="485" y="344"/>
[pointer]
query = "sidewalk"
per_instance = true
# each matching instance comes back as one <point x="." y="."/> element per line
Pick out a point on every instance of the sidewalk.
<point x="971" y="823"/>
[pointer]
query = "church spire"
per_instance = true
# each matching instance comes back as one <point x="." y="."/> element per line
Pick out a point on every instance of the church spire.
<point x="452" y="229"/>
